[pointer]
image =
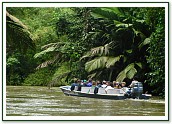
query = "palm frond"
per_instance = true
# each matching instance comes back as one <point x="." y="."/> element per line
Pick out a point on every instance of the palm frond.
<point x="57" y="44"/>
<point x="129" y="67"/>
<point x="128" y="72"/>
<point x="49" y="45"/>
<point x="15" y="20"/>
<point x="106" y="49"/>
<point x="46" y="63"/>
<point x="18" y="34"/>
<point x="106" y="13"/>
<point x="112" y="60"/>
<point x="88" y="54"/>
<point x="113" y="10"/>
<point x="48" y="50"/>
<point x="98" y="62"/>
<point x="101" y="62"/>
<point x="101" y="50"/>
<point x="121" y="76"/>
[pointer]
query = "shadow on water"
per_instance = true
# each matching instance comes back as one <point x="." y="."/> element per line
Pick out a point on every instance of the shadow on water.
<point x="38" y="101"/>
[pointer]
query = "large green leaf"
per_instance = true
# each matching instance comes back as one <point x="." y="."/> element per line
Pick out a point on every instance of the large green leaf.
<point x="49" y="45"/>
<point x="101" y="50"/>
<point x="50" y="49"/>
<point x="129" y="67"/>
<point x="101" y="62"/>
<point x="104" y="13"/>
<point x="121" y="76"/>
<point x="128" y="72"/>
<point x="113" y="10"/>
<point x="98" y="62"/>
<point x="112" y="60"/>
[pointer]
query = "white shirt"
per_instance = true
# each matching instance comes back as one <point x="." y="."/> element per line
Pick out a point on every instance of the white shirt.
<point x="132" y="83"/>
<point x="108" y="87"/>
<point x="104" y="85"/>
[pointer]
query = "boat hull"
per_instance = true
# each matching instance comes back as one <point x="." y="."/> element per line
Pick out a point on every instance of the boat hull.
<point x="66" y="90"/>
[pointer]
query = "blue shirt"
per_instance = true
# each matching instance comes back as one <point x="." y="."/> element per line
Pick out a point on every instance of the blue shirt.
<point x="89" y="84"/>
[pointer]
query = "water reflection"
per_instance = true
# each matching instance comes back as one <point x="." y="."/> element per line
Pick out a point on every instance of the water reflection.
<point x="38" y="101"/>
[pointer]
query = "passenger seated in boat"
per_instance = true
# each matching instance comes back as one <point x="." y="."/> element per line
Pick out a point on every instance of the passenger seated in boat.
<point x="118" y="85"/>
<point x="123" y="84"/>
<point x="114" y="84"/>
<point x="97" y="87"/>
<point x="79" y="85"/>
<point x="98" y="84"/>
<point x="84" y="83"/>
<point x="109" y="86"/>
<point x="104" y="84"/>
<point x="94" y="83"/>
<point x="89" y="83"/>
<point x="74" y="84"/>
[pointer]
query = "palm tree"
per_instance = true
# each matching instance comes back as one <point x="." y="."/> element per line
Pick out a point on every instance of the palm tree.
<point x="18" y="41"/>
<point x="17" y="34"/>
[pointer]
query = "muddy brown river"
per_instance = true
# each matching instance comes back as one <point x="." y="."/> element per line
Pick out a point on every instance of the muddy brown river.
<point x="41" y="101"/>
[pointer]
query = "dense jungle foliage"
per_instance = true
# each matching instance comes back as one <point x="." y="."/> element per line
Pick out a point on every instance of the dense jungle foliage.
<point x="51" y="46"/>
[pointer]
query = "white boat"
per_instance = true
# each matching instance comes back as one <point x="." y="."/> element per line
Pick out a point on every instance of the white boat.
<point x="115" y="94"/>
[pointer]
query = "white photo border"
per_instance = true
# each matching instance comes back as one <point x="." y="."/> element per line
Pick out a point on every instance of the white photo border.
<point x="89" y="4"/>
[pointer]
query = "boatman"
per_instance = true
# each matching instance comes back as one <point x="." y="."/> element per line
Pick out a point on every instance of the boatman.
<point x="135" y="80"/>
<point x="137" y="88"/>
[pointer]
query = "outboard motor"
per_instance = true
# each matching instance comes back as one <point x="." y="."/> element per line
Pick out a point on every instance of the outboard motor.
<point x="137" y="90"/>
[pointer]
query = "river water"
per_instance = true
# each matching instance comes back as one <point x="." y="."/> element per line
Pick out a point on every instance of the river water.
<point x="41" y="101"/>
